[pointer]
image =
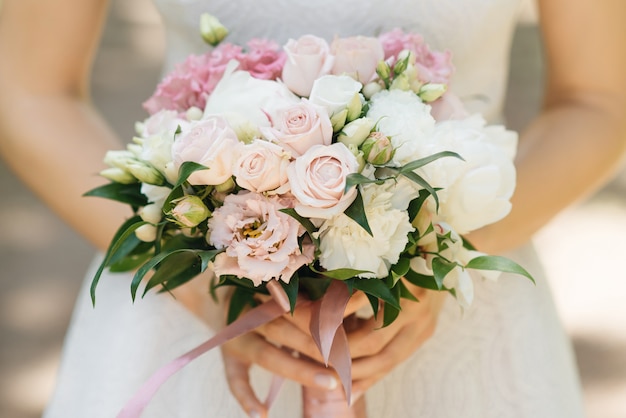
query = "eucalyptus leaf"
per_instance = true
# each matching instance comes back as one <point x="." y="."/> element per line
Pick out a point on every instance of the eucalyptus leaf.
<point x="498" y="263"/>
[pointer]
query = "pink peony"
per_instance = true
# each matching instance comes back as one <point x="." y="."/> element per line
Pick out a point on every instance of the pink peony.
<point x="264" y="59"/>
<point x="432" y="66"/>
<point x="191" y="82"/>
<point x="261" y="242"/>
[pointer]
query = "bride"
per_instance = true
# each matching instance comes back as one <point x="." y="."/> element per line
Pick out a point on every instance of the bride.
<point x="506" y="357"/>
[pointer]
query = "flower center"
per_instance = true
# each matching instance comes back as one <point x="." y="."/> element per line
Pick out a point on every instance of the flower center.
<point x="253" y="230"/>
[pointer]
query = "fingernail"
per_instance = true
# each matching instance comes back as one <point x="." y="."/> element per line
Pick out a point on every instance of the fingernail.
<point x="326" y="380"/>
<point x="254" y="414"/>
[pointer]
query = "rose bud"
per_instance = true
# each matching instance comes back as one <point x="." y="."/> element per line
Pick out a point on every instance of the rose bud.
<point x="384" y="71"/>
<point x="354" y="108"/>
<point x="211" y="29"/>
<point x="189" y="211"/>
<point x="146" y="174"/>
<point x="432" y="91"/>
<point x="338" y="120"/>
<point x="377" y="149"/>
<point x="118" y="175"/>
<point x="355" y="132"/>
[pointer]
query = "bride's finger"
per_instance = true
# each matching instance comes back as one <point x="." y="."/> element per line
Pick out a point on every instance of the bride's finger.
<point x="252" y="348"/>
<point x="286" y="334"/>
<point x="237" y="375"/>
<point x="408" y="339"/>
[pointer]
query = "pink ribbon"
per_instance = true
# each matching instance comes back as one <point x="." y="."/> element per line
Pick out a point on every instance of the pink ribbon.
<point x="326" y="328"/>
<point x="250" y="320"/>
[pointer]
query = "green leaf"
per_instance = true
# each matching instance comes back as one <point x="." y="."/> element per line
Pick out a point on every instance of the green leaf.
<point x="305" y="222"/>
<point x="186" y="169"/>
<point x="400" y="269"/>
<point x="292" y="288"/>
<point x="498" y="263"/>
<point x="414" y="165"/>
<point x="239" y="300"/>
<point x="441" y="268"/>
<point x="416" y="204"/>
<point x="125" y="193"/>
<point x="129" y="263"/>
<point x="421" y="280"/>
<point x="123" y="233"/>
<point x="405" y="292"/>
<point x="354" y="179"/>
<point x="420" y="181"/>
<point x="378" y="288"/>
<point x="340" y="274"/>
<point x="315" y="287"/>
<point x="356" y="212"/>
<point x="177" y="269"/>
<point x="390" y="313"/>
<point x="375" y="303"/>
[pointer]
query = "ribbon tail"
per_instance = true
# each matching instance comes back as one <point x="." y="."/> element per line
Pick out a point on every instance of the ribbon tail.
<point x="341" y="360"/>
<point x="247" y="322"/>
<point x="327" y="316"/>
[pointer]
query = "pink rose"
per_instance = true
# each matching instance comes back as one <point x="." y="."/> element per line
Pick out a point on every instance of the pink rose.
<point x="357" y="57"/>
<point x="209" y="142"/>
<point x="261" y="242"/>
<point x="264" y="59"/>
<point x="261" y="166"/>
<point x="318" y="180"/>
<point x="300" y="126"/>
<point x="432" y="66"/>
<point x="307" y="59"/>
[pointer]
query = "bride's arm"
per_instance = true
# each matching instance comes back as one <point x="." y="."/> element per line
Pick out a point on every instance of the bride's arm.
<point x="50" y="133"/>
<point x="578" y="140"/>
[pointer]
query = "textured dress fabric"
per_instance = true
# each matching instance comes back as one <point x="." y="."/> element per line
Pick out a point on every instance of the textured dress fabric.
<point x="505" y="357"/>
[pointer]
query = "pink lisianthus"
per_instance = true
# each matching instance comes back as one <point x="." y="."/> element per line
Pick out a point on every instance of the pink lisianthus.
<point x="264" y="59"/>
<point x="432" y="66"/>
<point x="260" y="242"/>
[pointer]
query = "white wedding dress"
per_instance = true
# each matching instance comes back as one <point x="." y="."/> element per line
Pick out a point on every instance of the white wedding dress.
<point x="506" y="357"/>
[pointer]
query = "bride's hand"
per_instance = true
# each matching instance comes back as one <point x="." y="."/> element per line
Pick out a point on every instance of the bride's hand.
<point x="376" y="351"/>
<point x="276" y="347"/>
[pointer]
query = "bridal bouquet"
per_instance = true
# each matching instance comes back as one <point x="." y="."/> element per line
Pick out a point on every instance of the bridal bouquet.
<point x="310" y="171"/>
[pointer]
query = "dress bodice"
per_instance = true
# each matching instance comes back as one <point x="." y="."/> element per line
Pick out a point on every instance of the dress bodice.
<point x="478" y="32"/>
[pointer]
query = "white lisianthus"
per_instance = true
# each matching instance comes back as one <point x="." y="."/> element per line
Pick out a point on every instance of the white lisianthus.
<point x="345" y="244"/>
<point x="157" y="150"/>
<point x="477" y="191"/>
<point x="155" y="194"/>
<point x="402" y="117"/>
<point x="252" y="98"/>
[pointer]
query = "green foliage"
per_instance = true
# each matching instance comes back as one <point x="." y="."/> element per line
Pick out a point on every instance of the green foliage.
<point x="498" y="263"/>
<point x="356" y="212"/>
<point x="125" y="193"/>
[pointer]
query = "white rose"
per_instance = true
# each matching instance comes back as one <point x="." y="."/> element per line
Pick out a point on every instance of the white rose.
<point x="402" y="117"/>
<point x="477" y="191"/>
<point x="239" y="92"/>
<point x="318" y="179"/>
<point x="210" y="142"/>
<point x="334" y="92"/>
<point x="345" y="244"/>
<point x="261" y="166"/>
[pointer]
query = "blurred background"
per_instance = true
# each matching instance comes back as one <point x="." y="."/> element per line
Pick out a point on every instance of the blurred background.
<point x="42" y="261"/>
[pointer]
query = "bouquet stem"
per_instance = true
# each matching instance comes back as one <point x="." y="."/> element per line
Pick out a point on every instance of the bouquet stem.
<point x="322" y="403"/>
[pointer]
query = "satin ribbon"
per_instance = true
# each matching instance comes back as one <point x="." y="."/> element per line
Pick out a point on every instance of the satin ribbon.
<point x="326" y="328"/>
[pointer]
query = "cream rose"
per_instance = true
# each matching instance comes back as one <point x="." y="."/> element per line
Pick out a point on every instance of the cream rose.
<point x="261" y="166"/>
<point x="209" y="142"/>
<point x="357" y="57"/>
<point x="308" y="58"/>
<point x="334" y="92"/>
<point x="300" y="126"/>
<point x="318" y="180"/>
